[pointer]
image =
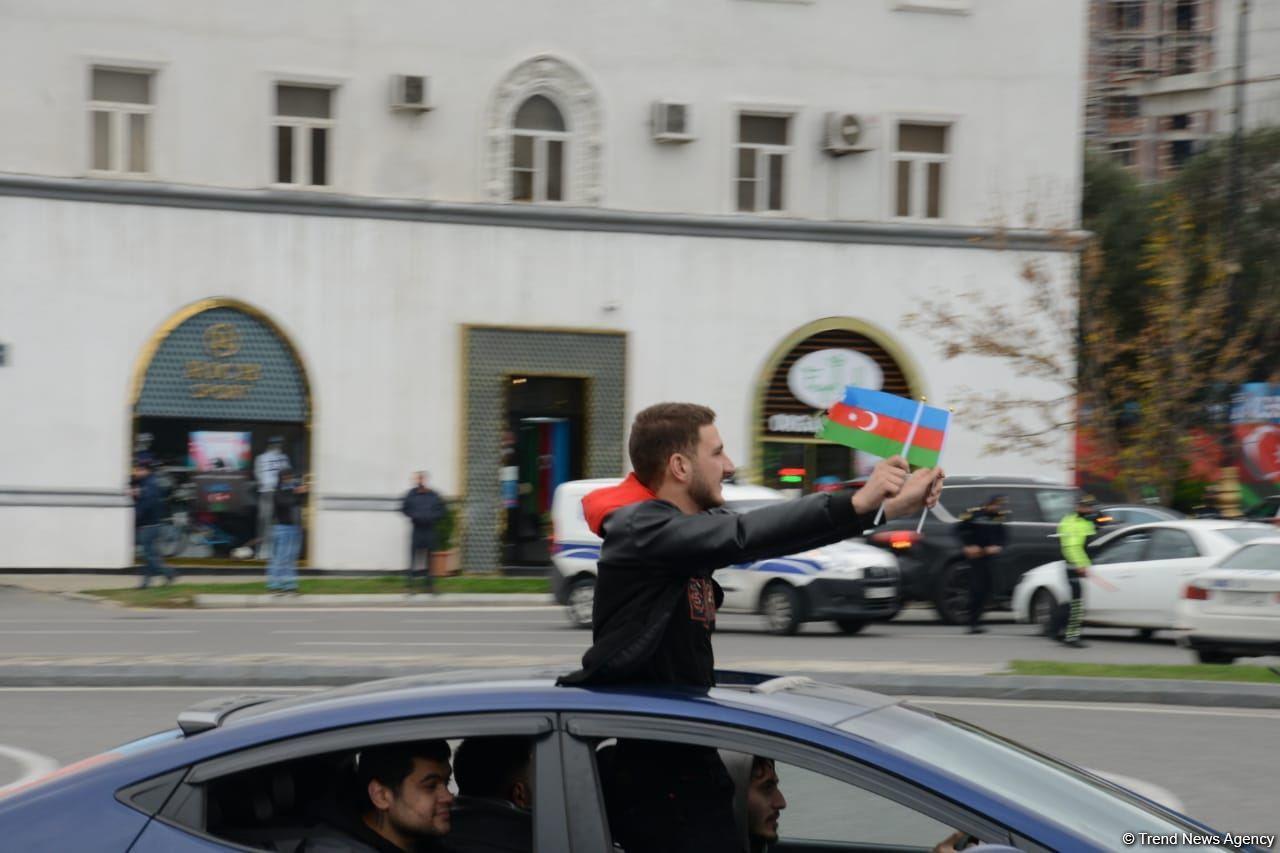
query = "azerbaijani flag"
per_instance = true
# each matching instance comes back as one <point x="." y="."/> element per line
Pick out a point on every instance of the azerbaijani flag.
<point x="883" y="424"/>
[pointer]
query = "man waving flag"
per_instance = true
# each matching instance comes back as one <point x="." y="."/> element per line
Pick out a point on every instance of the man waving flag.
<point x="884" y="424"/>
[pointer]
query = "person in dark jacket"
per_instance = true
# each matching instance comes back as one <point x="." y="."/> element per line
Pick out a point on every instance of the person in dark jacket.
<point x="495" y="795"/>
<point x="286" y="533"/>
<point x="424" y="509"/>
<point x="148" y="515"/>
<point x="665" y="532"/>
<point x="982" y="534"/>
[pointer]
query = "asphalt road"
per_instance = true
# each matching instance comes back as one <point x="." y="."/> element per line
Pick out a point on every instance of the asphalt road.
<point x="36" y="626"/>
<point x="1217" y="763"/>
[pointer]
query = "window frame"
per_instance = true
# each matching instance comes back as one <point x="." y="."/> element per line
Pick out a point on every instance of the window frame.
<point x="918" y="173"/>
<point x="540" y="142"/>
<point x="1157" y="533"/>
<point x="549" y="813"/>
<point x="582" y="778"/>
<point x="1120" y="539"/>
<point x="763" y="150"/>
<point x="301" y="141"/>
<point x="117" y="121"/>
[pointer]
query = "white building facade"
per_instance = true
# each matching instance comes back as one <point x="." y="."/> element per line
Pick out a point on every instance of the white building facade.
<point x="469" y="237"/>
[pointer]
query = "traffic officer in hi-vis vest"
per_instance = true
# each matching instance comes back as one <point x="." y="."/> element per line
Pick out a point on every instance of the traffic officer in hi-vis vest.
<point x="1074" y="531"/>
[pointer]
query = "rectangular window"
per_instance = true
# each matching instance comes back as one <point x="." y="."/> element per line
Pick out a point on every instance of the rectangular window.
<point x="920" y="166"/>
<point x="1185" y="16"/>
<point x="120" y="108"/>
<point x="1123" y="106"/>
<point x="1124" y="153"/>
<point x="763" y="147"/>
<point x="1127" y="14"/>
<point x="303" y="135"/>
<point x="1128" y="56"/>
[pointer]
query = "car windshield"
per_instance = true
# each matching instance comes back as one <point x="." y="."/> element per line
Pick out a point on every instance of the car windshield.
<point x="1055" y="504"/>
<point x="747" y="506"/>
<point x="1058" y="791"/>
<point x="1261" y="556"/>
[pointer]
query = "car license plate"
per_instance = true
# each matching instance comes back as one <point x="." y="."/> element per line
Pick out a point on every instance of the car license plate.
<point x="879" y="591"/>
<point x="1248" y="599"/>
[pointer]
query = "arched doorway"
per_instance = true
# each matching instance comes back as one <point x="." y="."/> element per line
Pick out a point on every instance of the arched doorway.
<point x="804" y="375"/>
<point x="214" y="389"/>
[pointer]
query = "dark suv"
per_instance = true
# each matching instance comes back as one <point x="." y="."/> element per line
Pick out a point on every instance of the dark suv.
<point x="932" y="564"/>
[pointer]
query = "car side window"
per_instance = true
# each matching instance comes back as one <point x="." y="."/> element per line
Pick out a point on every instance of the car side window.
<point x="1055" y="504"/>
<point x="957" y="499"/>
<point x="1129" y="548"/>
<point x="1024" y="505"/>
<point x="1169" y="544"/>
<point x="323" y="799"/>
<point x="656" y="793"/>
<point x="824" y="810"/>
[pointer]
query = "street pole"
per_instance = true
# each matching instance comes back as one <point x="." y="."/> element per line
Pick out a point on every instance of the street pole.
<point x="1229" y="482"/>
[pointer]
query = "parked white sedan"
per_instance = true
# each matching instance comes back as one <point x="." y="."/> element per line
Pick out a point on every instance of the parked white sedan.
<point x="1138" y="573"/>
<point x="1233" y="609"/>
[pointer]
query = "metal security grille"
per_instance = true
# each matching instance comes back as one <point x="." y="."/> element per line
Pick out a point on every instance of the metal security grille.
<point x="778" y="398"/>
<point x="492" y="356"/>
<point x="224" y="364"/>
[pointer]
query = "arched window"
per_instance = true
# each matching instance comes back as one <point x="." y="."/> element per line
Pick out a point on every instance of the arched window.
<point x="538" y="143"/>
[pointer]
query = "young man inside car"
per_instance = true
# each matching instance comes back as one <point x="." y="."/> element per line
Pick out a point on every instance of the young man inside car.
<point x="665" y="532"/>
<point x="493" y="812"/>
<point x="403" y="802"/>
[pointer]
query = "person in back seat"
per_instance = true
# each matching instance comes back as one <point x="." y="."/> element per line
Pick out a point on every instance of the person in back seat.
<point x="495" y="796"/>
<point x="404" y="804"/>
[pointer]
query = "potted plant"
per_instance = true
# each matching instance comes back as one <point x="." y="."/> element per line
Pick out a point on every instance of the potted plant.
<point x="444" y="560"/>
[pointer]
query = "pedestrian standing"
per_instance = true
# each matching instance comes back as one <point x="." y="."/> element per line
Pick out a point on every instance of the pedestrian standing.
<point x="424" y="509"/>
<point x="286" y="533"/>
<point x="981" y="532"/>
<point x="148" y="509"/>
<point x="266" y="473"/>
<point x="1073" y="532"/>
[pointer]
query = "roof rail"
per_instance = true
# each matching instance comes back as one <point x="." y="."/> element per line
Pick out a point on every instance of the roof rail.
<point x="211" y="713"/>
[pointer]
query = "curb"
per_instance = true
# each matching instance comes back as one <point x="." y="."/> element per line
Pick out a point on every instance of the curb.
<point x="449" y="599"/>
<point x="286" y="674"/>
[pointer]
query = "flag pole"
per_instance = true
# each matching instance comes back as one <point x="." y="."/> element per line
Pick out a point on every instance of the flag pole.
<point x="906" y="449"/>
<point x="941" y="446"/>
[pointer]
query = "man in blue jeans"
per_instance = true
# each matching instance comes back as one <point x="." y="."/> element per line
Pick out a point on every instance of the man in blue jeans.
<point x="148" y="509"/>
<point x="286" y="533"/>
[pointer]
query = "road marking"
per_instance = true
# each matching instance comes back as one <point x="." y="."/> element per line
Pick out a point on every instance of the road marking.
<point x="33" y="764"/>
<point x="254" y="688"/>
<point x="451" y="631"/>
<point x="579" y="646"/>
<point x="103" y="632"/>
<point x="1122" y="707"/>
<point x="394" y="608"/>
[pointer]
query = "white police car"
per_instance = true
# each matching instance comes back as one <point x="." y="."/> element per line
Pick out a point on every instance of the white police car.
<point x="849" y="582"/>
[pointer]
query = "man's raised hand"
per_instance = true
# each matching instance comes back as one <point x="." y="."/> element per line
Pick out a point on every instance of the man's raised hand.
<point x="886" y="481"/>
<point x="922" y="489"/>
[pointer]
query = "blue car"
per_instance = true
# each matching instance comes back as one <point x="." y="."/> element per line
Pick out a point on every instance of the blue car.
<point x="859" y="771"/>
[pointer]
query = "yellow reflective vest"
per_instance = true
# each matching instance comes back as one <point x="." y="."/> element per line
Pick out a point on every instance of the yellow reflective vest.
<point x="1073" y="532"/>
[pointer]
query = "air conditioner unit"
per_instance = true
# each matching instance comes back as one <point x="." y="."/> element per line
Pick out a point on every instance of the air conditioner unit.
<point x="409" y="93"/>
<point x="670" y="122"/>
<point x="847" y="133"/>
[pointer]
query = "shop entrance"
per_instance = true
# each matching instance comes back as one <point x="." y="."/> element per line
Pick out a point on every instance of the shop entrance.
<point x="544" y="448"/>
<point x="220" y="403"/>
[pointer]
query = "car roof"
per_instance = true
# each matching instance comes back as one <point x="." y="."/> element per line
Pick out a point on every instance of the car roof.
<point x="800" y="699"/>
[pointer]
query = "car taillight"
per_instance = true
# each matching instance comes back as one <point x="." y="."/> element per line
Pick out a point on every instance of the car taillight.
<point x="898" y="540"/>
<point x="1195" y="593"/>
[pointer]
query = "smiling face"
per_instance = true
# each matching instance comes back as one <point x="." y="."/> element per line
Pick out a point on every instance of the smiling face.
<point x="418" y="808"/>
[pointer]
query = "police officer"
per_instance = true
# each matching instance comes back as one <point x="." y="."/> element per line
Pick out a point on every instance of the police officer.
<point x="981" y="532"/>
<point x="1073" y="532"/>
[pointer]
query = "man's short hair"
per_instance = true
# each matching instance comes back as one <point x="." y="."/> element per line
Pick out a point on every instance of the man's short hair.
<point x="392" y="763"/>
<point x="761" y="766"/>
<point x="489" y="766"/>
<point x="661" y="430"/>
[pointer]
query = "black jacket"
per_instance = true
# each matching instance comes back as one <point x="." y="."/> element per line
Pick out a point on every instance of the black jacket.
<point x="425" y="509"/>
<point x="485" y="825"/>
<point x="148" y="507"/>
<point x="287" y="506"/>
<point x="982" y="527"/>
<point x="655" y="601"/>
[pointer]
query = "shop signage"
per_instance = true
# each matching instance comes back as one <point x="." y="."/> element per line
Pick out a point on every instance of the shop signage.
<point x="219" y="378"/>
<point x="819" y="378"/>
<point x="805" y="424"/>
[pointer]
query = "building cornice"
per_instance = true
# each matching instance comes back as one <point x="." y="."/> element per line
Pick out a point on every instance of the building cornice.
<point x="557" y="218"/>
